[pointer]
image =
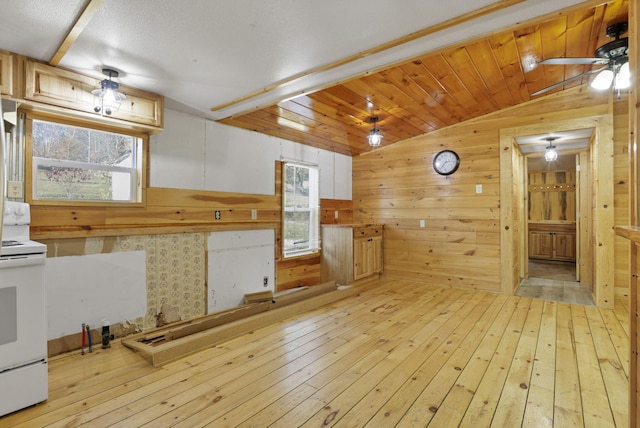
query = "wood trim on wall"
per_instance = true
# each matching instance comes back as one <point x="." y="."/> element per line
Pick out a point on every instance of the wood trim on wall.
<point x="602" y="179"/>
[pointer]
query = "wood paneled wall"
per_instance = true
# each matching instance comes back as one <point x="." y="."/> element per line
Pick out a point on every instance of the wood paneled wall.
<point x="191" y="211"/>
<point x="621" y="181"/>
<point x="552" y="192"/>
<point x="460" y="245"/>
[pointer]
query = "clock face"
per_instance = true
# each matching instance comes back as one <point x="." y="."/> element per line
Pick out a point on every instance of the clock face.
<point x="446" y="162"/>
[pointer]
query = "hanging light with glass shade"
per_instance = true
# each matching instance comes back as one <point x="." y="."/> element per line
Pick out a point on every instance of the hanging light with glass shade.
<point x="108" y="98"/>
<point x="550" y="154"/>
<point x="374" y="137"/>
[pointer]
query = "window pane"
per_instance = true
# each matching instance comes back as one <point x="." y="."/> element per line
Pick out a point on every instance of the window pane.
<point x="297" y="186"/>
<point x="74" y="163"/>
<point x="301" y="200"/>
<point x="79" y="184"/>
<point x="297" y="230"/>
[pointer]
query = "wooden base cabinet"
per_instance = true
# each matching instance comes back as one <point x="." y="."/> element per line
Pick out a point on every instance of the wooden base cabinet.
<point x="552" y="241"/>
<point x="351" y="252"/>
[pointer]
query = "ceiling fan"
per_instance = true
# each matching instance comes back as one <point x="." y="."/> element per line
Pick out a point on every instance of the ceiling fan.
<point x="613" y="55"/>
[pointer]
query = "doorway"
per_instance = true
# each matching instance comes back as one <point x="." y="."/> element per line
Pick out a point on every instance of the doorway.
<point x="552" y="225"/>
<point x="593" y="214"/>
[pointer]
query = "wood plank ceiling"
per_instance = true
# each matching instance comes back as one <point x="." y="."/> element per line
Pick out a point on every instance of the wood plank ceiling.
<point x="439" y="89"/>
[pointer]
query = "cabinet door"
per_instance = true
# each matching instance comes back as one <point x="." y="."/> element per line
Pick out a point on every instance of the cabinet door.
<point x="376" y="254"/>
<point x="6" y="73"/>
<point x="65" y="88"/>
<point x="540" y="245"/>
<point x="565" y="246"/>
<point x="361" y="259"/>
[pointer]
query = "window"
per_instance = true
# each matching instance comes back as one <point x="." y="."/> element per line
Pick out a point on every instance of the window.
<point x="72" y="163"/>
<point x="301" y="224"/>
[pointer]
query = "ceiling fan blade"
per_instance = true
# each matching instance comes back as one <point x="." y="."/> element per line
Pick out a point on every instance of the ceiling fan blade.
<point x="574" y="61"/>
<point x="570" y="79"/>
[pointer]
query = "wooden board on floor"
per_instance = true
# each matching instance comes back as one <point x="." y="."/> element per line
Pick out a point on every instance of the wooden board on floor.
<point x="171" y="342"/>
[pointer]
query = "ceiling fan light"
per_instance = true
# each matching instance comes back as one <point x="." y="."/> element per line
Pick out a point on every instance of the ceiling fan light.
<point x="603" y="80"/>
<point x="551" y="154"/>
<point x="623" y="77"/>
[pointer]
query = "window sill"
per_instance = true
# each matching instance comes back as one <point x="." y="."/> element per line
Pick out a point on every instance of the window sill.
<point x="302" y="256"/>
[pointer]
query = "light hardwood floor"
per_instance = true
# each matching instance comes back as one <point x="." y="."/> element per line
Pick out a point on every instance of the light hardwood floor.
<point x="398" y="354"/>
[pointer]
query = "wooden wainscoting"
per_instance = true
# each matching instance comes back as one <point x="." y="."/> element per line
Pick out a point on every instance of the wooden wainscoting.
<point x="336" y="211"/>
<point x="398" y="354"/>
<point x="190" y="211"/>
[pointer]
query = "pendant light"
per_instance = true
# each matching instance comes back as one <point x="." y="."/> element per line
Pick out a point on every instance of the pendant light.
<point x="550" y="153"/>
<point x="374" y="137"/>
<point x="108" y="97"/>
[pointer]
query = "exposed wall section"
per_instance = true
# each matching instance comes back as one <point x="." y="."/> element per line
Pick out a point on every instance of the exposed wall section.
<point x="238" y="263"/>
<point x="197" y="168"/>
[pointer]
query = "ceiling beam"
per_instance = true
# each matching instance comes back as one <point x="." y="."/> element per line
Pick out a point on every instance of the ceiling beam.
<point x="78" y="27"/>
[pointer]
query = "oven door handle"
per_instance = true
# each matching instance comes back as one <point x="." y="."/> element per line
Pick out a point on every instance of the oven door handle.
<point x="23" y="260"/>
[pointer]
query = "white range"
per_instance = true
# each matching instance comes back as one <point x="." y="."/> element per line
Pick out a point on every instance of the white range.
<point x="23" y="325"/>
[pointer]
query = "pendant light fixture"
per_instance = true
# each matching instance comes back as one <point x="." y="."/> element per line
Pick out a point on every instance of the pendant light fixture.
<point x="108" y="97"/>
<point x="374" y="137"/>
<point x="550" y="153"/>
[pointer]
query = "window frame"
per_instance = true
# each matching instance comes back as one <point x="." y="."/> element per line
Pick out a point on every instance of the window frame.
<point x="314" y="213"/>
<point x="141" y="155"/>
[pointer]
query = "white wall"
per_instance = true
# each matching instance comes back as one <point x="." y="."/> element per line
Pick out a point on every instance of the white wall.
<point x="96" y="289"/>
<point x="237" y="264"/>
<point x="201" y="154"/>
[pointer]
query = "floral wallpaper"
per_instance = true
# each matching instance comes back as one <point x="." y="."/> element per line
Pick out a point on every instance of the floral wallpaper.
<point x="175" y="271"/>
<point x="175" y="274"/>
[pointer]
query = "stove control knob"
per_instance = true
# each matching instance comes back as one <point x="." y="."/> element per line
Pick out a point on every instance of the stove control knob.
<point x="20" y="210"/>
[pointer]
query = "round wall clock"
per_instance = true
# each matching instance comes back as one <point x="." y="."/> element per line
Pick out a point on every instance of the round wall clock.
<point x="446" y="162"/>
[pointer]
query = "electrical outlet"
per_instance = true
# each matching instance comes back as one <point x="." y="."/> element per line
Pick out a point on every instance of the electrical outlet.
<point x="335" y="214"/>
<point x="217" y="215"/>
<point x="14" y="189"/>
<point x="254" y="214"/>
<point x="478" y="188"/>
<point x="265" y="281"/>
<point x="422" y="223"/>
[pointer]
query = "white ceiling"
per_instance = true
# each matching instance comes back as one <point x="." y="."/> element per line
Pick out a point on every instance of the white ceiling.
<point x="576" y="139"/>
<point x="204" y="53"/>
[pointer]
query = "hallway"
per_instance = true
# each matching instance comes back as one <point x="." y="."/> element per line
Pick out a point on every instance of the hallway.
<point x="554" y="281"/>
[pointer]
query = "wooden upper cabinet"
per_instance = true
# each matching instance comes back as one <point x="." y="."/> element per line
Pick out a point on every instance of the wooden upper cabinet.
<point x="6" y="74"/>
<point x="67" y="89"/>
